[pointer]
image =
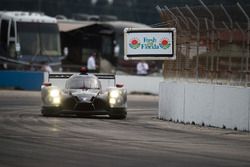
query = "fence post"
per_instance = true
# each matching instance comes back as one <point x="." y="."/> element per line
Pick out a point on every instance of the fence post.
<point x="187" y="62"/>
<point x="197" y="39"/>
<point x="213" y="32"/>
<point x="248" y="39"/>
<point x="243" y="49"/>
<point x="230" y="29"/>
<point x="207" y="43"/>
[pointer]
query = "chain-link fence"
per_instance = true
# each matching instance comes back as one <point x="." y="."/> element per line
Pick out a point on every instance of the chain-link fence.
<point x="212" y="43"/>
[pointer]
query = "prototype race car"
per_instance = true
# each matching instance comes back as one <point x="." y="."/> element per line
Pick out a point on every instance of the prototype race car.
<point x="83" y="95"/>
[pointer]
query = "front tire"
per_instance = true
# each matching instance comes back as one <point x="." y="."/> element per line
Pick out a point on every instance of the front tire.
<point x="118" y="114"/>
<point x="49" y="112"/>
<point x="122" y="116"/>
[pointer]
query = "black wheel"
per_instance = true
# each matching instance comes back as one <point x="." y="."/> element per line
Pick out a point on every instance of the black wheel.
<point x="48" y="112"/>
<point x="121" y="116"/>
<point x="118" y="113"/>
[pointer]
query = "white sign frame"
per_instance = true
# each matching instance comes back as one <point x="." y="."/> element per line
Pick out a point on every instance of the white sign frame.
<point x="150" y="48"/>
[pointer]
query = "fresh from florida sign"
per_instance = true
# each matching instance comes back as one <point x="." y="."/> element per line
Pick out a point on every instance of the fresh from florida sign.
<point x="150" y="44"/>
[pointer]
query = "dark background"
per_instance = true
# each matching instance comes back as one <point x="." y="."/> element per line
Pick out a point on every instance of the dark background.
<point x="134" y="10"/>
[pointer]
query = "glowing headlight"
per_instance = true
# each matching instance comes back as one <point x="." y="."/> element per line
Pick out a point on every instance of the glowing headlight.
<point x="56" y="100"/>
<point x="114" y="94"/>
<point x="112" y="101"/>
<point x="54" y="93"/>
<point x="54" y="96"/>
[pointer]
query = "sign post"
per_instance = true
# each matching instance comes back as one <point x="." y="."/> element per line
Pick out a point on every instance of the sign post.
<point x="149" y="43"/>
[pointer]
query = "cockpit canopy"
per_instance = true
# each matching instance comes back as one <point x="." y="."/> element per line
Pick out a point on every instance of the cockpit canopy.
<point x="83" y="82"/>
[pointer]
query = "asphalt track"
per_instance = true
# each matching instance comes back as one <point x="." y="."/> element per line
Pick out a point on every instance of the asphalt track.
<point x="28" y="139"/>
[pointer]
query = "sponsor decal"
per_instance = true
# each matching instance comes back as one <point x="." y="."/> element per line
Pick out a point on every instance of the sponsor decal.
<point x="134" y="43"/>
<point x="164" y="43"/>
<point x="149" y="43"/>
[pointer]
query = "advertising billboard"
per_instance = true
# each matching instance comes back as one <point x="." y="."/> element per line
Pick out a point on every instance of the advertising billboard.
<point x="149" y="43"/>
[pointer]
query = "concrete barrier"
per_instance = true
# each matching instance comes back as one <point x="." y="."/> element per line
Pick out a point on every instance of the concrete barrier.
<point x="213" y="105"/>
<point x="140" y="84"/>
<point x="24" y="80"/>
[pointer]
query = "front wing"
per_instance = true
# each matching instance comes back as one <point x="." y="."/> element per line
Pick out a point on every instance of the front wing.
<point x="73" y="105"/>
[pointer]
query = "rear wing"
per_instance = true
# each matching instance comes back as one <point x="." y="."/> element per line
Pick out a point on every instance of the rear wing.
<point x="59" y="79"/>
<point x="107" y="80"/>
<point x="104" y="76"/>
<point x="59" y="76"/>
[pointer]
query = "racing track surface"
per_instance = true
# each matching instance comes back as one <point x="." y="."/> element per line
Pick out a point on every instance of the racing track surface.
<point x="27" y="139"/>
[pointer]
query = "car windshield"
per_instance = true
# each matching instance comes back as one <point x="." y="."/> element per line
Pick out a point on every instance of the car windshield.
<point x="83" y="83"/>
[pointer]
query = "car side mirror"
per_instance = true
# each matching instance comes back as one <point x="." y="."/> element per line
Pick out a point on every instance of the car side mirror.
<point x="47" y="84"/>
<point x="119" y="85"/>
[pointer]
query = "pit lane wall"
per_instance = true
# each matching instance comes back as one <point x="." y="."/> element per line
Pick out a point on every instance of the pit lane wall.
<point x="205" y="104"/>
<point x="23" y="80"/>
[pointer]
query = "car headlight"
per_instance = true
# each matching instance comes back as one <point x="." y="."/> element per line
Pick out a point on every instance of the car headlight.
<point x="112" y="101"/>
<point x="56" y="100"/>
<point x="114" y="94"/>
<point x="54" y="96"/>
<point x="116" y="98"/>
<point x="54" y="93"/>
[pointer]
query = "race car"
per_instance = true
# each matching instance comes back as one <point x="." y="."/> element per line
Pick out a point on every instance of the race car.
<point x="83" y="95"/>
